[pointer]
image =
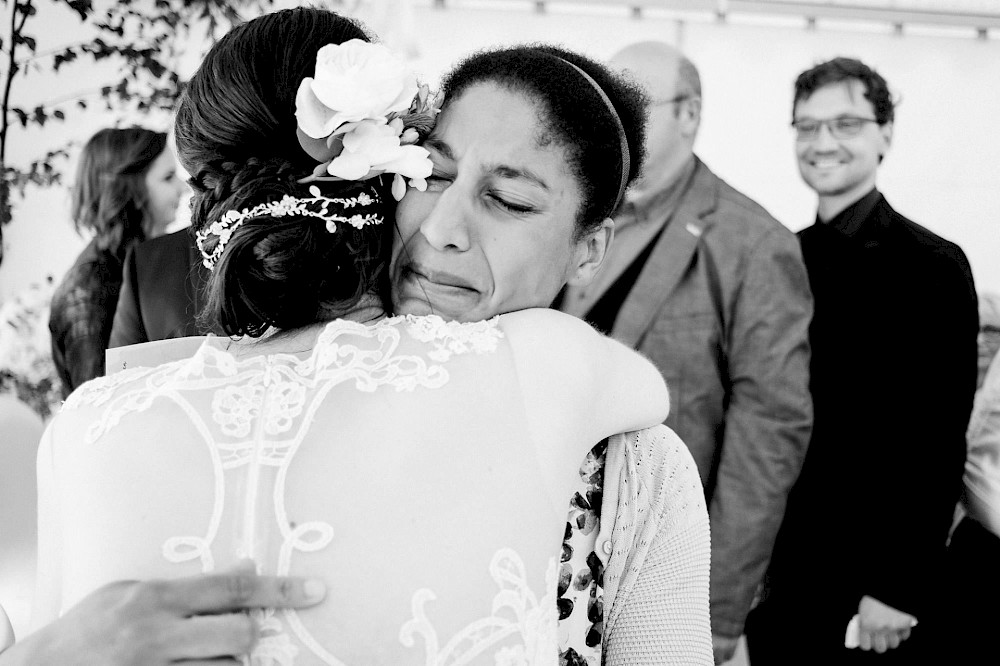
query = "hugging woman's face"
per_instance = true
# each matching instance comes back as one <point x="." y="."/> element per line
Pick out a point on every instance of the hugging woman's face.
<point x="494" y="232"/>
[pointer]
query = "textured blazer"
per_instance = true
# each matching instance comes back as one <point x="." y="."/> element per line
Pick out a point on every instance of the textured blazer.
<point x="722" y="307"/>
<point x="161" y="292"/>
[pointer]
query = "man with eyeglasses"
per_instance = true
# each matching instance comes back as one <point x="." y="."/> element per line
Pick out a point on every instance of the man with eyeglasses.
<point x="712" y="289"/>
<point x="858" y="560"/>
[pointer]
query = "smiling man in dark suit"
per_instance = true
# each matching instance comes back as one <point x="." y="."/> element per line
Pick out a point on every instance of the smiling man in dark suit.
<point x="713" y="290"/>
<point x="893" y="376"/>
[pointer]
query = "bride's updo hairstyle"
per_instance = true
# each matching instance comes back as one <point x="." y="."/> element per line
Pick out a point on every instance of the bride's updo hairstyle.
<point x="236" y="136"/>
<point x="576" y="114"/>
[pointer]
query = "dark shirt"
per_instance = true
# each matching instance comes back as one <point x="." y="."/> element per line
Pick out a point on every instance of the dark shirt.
<point x="83" y="308"/>
<point x="605" y="311"/>
<point x="850" y="220"/>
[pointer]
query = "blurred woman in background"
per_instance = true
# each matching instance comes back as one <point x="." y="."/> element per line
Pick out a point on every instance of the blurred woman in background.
<point x="126" y="190"/>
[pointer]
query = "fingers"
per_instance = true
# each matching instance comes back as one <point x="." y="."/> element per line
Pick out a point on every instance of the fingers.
<point x="882" y="641"/>
<point x="211" y="637"/>
<point x="236" y="590"/>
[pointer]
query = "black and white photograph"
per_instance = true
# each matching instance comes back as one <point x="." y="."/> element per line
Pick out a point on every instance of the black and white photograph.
<point x="499" y="332"/>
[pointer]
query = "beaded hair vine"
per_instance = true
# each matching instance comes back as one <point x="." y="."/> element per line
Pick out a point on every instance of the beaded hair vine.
<point x="331" y="210"/>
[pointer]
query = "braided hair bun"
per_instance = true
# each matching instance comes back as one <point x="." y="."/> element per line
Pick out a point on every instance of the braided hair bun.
<point x="235" y="131"/>
<point x="286" y="271"/>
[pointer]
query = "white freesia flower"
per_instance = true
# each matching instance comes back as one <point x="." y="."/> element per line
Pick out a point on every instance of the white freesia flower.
<point x="373" y="147"/>
<point x="354" y="81"/>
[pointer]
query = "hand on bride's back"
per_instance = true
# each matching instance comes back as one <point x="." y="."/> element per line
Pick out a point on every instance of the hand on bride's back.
<point x="194" y="620"/>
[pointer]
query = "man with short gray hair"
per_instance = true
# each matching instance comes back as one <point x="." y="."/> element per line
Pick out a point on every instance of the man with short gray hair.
<point x="712" y="289"/>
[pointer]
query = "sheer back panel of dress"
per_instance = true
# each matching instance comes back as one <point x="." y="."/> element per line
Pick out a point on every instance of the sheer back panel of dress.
<point x="346" y="466"/>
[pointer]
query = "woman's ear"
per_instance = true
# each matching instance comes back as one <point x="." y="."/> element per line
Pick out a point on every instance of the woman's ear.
<point x="589" y="254"/>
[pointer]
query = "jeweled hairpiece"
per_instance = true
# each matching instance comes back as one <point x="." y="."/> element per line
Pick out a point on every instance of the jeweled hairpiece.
<point x="331" y="210"/>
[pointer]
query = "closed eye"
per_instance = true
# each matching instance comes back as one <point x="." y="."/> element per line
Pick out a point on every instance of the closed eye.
<point x="511" y="207"/>
<point x="438" y="180"/>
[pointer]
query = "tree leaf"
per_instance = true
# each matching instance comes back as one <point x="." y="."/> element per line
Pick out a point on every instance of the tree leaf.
<point x="39" y="115"/>
<point x="83" y="8"/>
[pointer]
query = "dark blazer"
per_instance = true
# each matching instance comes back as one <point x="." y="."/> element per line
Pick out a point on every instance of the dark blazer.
<point x="161" y="293"/>
<point x="722" y="307"/>
<point x="893" y="377"/>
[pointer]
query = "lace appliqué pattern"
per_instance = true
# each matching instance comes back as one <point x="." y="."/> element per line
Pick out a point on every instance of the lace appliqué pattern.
<point x="97" y="391"/>
<point x="516" y="613"/>
<point x="452" y="337"/>
<point x="260" y="411"/>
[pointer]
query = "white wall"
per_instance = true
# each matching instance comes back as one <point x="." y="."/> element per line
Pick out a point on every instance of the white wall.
<point x="942" y="170"/>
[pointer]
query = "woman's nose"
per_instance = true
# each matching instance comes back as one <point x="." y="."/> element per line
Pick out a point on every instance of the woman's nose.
<point x="447" y="225"/>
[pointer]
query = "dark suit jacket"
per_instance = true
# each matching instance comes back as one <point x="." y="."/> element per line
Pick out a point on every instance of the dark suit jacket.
<point x="161" y="293"/>
<point x="722" y="307"/>
<point x="893" y="377"/>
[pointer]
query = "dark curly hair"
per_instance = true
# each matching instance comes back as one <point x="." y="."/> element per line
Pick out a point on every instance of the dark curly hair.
<point x="572" y="112"/>
<point x="109" y="197"/>
<point x="236" y="136"/>
<point x="842" y="69"/>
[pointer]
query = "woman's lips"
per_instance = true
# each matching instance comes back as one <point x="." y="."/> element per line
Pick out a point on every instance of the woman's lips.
<point x="446" y="294"/>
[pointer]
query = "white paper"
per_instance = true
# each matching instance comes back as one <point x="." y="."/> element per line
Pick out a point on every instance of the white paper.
<point x="852" y="638"/>
<point x="151" y="354"/>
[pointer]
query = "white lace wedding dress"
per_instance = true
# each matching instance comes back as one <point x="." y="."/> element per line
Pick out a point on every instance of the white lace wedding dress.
<point x="420" y="468"/>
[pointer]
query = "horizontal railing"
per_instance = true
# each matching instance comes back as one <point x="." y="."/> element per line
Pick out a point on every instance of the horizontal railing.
<point x="979" y="14"/>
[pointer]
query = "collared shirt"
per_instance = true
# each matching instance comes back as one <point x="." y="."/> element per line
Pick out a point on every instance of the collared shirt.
<point x="849" y="220"/>
<point x="654" y="208"/>
<point x="638" y="223"/>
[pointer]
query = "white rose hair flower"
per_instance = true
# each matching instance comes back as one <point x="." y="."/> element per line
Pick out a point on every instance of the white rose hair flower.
<point x="361" y="115"/>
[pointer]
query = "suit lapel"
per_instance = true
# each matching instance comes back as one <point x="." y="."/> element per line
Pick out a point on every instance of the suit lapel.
<point x="669" y="260"/>
<point x="626" y="248"/>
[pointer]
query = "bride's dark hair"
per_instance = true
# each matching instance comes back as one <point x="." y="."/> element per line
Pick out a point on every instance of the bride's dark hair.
<point x="235" y="132"/>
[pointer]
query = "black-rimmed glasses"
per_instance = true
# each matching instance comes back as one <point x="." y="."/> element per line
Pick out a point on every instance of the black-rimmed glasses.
<point x="842" y="127"/>
<point x="672" y="100"/>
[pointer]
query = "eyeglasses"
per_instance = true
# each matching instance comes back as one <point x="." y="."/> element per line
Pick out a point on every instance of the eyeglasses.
<point x="672" y="100"/>
<point x="843" y="127"/>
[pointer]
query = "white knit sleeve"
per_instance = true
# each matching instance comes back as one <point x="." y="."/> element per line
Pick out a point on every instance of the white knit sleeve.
<point x="664" y="616"/>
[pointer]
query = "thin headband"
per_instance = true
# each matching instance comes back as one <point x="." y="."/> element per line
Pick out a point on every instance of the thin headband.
<point x="626" y="158"/>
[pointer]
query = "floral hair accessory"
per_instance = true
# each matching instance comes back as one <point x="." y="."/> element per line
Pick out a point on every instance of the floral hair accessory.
<point x="317" y="206"/>
<point x="362" y="114"/>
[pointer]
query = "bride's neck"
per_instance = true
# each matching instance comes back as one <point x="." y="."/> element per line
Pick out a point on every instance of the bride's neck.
<point x="367" y="310"/>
